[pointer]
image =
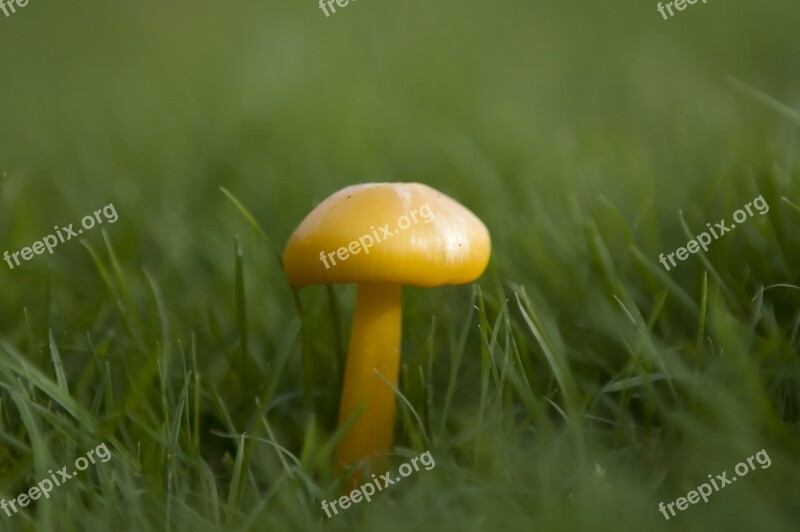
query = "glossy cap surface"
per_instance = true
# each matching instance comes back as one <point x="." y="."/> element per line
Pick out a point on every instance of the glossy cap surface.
<point x="405" y="233"/>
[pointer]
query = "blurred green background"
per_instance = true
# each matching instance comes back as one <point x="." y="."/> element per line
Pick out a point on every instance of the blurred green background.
<point x="579" y="132"/>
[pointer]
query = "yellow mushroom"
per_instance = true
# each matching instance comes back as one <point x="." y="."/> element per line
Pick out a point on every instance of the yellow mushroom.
<point x="382" y="236"/>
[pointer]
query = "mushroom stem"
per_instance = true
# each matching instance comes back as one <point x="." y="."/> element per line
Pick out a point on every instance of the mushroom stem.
<point x="374" y="346"/>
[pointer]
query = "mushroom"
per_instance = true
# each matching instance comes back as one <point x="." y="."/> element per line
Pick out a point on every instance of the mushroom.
<point x="382" y="236"/>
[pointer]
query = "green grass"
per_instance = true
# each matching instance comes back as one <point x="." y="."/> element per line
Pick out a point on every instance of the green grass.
<point x="575" y="386"/>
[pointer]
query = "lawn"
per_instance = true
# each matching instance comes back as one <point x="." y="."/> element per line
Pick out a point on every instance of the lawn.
<point x="576" y="385"/>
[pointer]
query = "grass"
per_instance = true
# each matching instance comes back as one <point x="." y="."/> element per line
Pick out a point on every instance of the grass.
<point x="574" y="387"/>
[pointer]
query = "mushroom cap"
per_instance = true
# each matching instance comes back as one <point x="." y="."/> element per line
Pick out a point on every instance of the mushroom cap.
<point x="418" y="237"/>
